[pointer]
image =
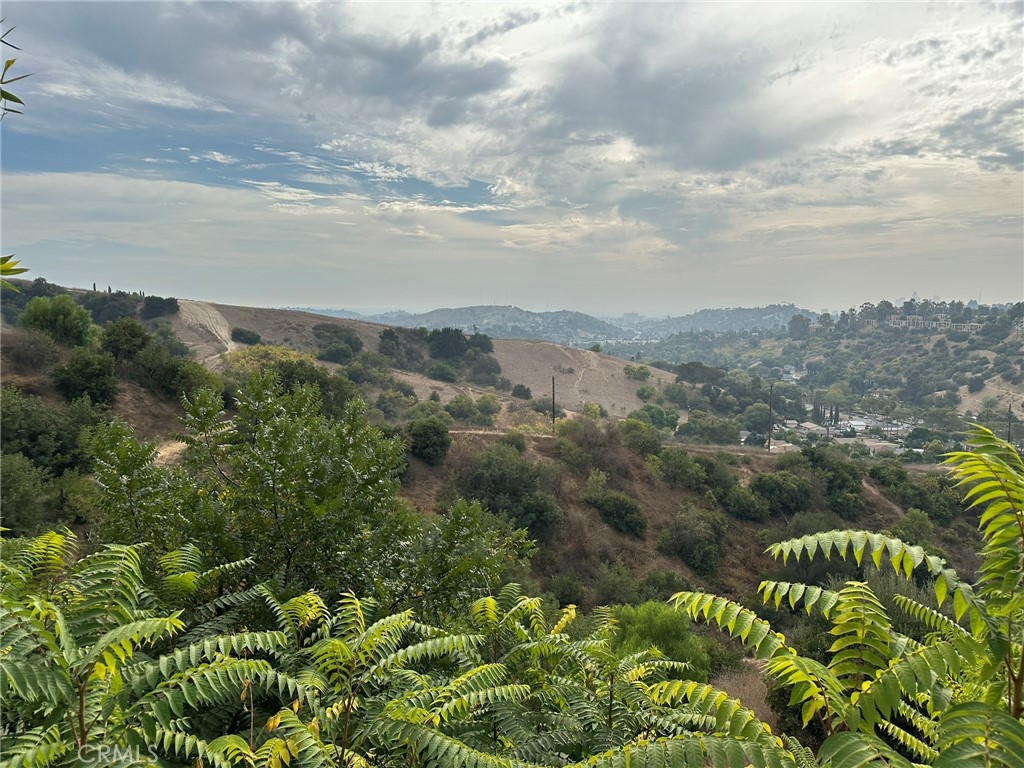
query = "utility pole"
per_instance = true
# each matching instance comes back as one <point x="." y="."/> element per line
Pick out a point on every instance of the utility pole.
<point x="552" y="404"/>
<point x="1009" y="421"/>
<point x="771" y="388"/>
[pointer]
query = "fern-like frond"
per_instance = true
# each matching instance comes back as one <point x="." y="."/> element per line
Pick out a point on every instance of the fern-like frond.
<point x="864" y="547"/>
<point x="976" y="734"/>
<point x="849" y="749"/>
<point x="728" y="715"/>
<point x="861" y="627"/>
<point x="799" y="595"/>
<point x="740" y="623"/>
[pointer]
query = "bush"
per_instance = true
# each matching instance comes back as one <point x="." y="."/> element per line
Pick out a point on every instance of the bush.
<point x="656" y="416"/>
<point x="481" y="342"/>
<point x="637" y="372"/>
<point x="508" y="483"/>
<point x="718" y="476"/>
<point x="87" y="373"/>
<point x="124" y="338"/>
<point x="488" y="405"/>
<point x="447" y="344"/>
<point x="462" y="408"/>
<point x="744" y="504"/>
<point x="45" y="434"/>
<point x="429" y="440"/>
<point x="645" y="392"/>
<point x="639" y="437"/>
<point x="60" y="317"/>
<point x="154" y="306"/>
<point x="622" y="513"/>
<point x="110" y="307"/>
<point x="786" y="493"/>
<point x="522" y="392"/>
<point x="679" y="469"/>
<point x="915" y="527"/>
<point x="662" y="626"/>
<point x="697" y="537"/>
<point x="443" y="372"/>
<point x="24" y="488"/>
<point x="245" y="336"/>
<point x="484" y="371"/>
<point x="514" y="440"/>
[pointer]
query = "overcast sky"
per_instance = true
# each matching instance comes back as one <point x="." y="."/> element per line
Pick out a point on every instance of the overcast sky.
<point x="604" y="157"/>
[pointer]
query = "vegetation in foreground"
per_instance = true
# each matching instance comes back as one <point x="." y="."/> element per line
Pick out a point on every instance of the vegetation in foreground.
<point x="173" y="659"/>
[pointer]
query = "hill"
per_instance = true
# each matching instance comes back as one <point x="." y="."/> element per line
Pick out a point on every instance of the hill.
<point x="503" y="322"/>
<point x="580" y="375"/>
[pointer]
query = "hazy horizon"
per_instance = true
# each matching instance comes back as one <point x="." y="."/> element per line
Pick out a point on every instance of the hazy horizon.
<point x="602" y="158"/>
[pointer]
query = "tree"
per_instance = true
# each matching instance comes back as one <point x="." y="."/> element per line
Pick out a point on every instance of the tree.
<point x="124" y="338"/>
<point x="447" y="344"/>
<point x="954" y="695"/>
<point x="428" y="440"/>
<point x="60" y="317"/>
<point x="87" y="374"/>
<point x="799" y="327"/>
<point x="522" y="392"/>
<point x="785" y="493"/>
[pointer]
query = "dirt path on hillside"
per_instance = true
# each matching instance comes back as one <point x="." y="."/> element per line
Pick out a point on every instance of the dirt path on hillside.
<point x="204" y="317"/>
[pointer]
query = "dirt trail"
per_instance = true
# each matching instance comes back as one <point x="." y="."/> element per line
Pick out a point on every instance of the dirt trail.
<point x="204" y="317"/>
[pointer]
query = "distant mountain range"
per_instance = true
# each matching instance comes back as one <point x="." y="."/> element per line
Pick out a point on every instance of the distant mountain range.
<point x="577" y="328"/>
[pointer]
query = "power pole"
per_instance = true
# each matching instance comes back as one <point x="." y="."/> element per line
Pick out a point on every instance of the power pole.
<point x="771" y="389"/>
<point x="552" y="403"/>
<point x="1009" y="421"/>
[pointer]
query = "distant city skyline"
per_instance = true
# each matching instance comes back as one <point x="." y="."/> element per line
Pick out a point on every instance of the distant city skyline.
<point x="604" y="158"/>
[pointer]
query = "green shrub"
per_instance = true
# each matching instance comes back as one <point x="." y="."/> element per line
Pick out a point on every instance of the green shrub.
<point x="522" y="392"/>
<point x="45" y="434"/>
<point x="679" y="469"/>
<point x="462" y="408"/>
<point x="336" y="352"/>
<point x="662" y="626"/>
<point x="786" y="493"/>
<point x="622" y="513"/>
<point x="718" y="476"/>
<point x="744" y="504"/>
<point x="428" y="440"/>
<point x="488" y="405"/>
<point x="245" y="336"/>
<point x="124" y="338"/>
<point x="61" y="318"/>
<point x="485" y="371"/>
<point x="637" y="372"/>
<point x="155" y="306"/>
<point x="514" y="440"/>
<point x="645" y="392"/>
<point x="639" y="437"/>
<point x="697" y="537"/>
<point x="24" y="489"/>
<point x="443" y="372"/>
<point x="87" y="373"/>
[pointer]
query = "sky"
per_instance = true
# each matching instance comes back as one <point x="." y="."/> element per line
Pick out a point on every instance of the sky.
<point x="596" y="156"/>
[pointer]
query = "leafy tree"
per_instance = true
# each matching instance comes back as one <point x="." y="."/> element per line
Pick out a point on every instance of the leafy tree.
<point x="443" y="372"/>
<point x="481" y="342"/>
<point x="702" y="427"/>
<point x="61" y="318"/>
<point x="799" y="327"/>
<point x="428" y="440"/>
<point x="953" y="695"/>
<point x="447" y="344"/>
<point x="522" y="392"/>
<point x="485" y="371"/>
<point x="87" y="374"/>
<point x="785" y="493"/>
<point x="640" y="437"/>
<point x="697" y="537"/>
<point x="24" y="489"/>
<point x="744" y="504"/>
<point x="637" y="372"/>
<point x="124" y="338"/>
<point x="45" y="434"/>
<point x="622" y="513"/>
<point x="679" y="469"/>
<point x="156" y="306"/>
<point x="505" y="482"/>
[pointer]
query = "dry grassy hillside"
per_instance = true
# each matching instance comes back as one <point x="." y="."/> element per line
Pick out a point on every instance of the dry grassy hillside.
<point x="580" y="375"/>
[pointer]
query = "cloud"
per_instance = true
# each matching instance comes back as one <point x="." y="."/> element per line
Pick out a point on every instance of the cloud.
<point x="686" y="138"/>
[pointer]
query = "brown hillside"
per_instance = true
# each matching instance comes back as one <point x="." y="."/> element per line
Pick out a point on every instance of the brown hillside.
<point x="580" y="375"/>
